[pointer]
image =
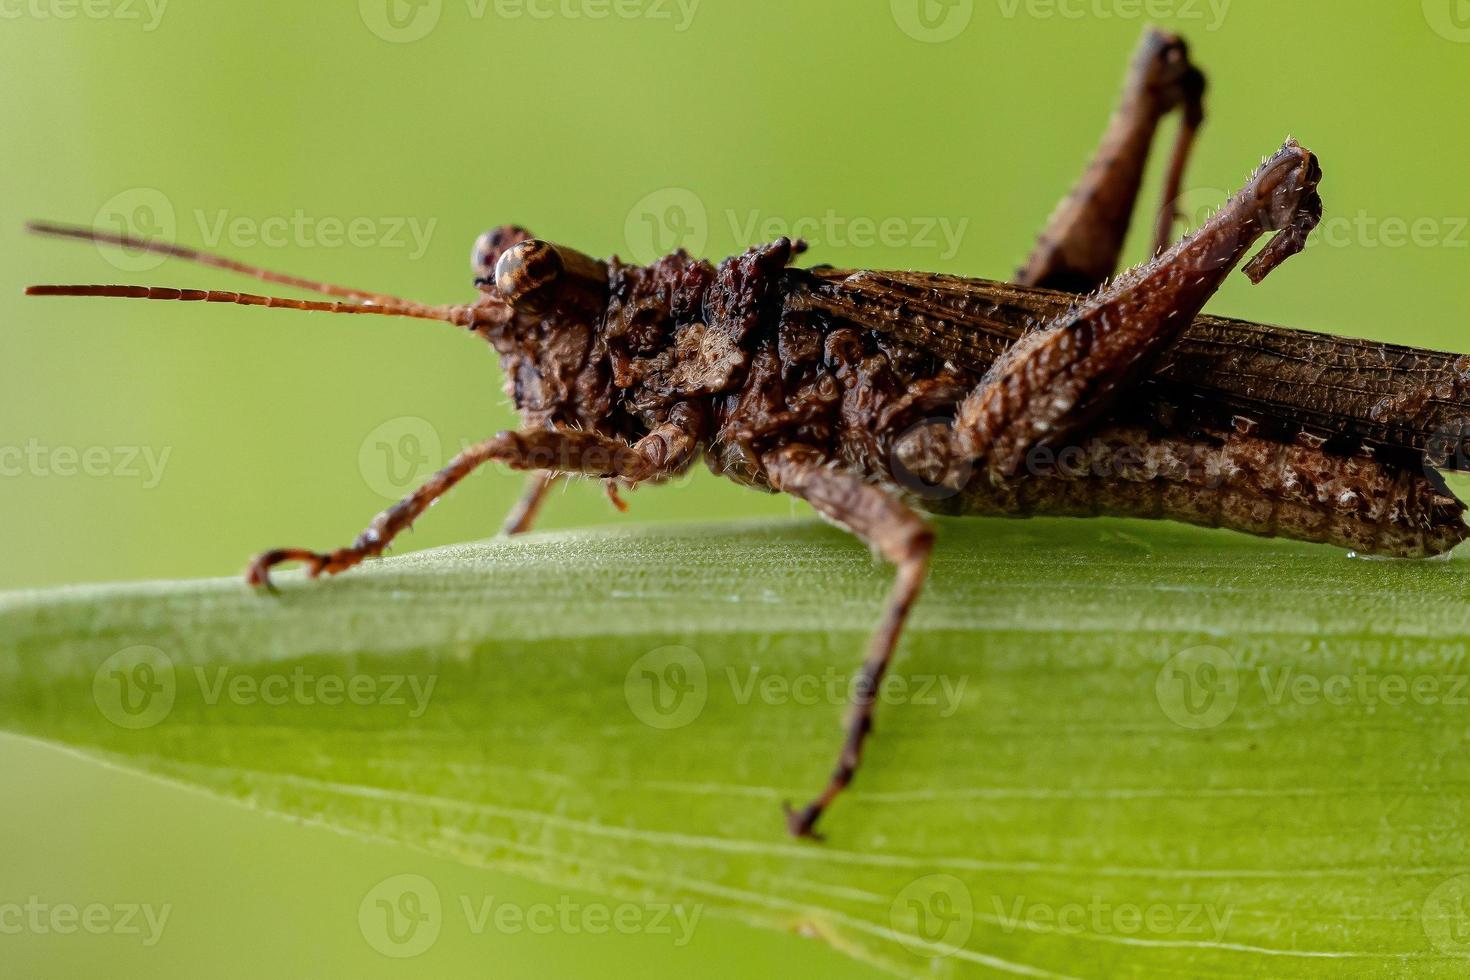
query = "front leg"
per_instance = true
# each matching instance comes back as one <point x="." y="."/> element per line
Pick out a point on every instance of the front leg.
<point x="552" y="450"/>
<point x="899" y="535"/>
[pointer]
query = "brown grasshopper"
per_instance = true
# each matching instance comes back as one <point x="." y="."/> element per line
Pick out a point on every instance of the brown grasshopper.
<point x="873" y="396"/>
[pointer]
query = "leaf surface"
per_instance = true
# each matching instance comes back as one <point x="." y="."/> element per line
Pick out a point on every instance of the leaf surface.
<point x="1108" y="749"/>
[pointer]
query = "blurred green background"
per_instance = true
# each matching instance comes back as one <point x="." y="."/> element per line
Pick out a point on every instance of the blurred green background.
<point x="368" y="143"/>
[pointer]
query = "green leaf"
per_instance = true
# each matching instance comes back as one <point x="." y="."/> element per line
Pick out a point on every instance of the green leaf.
<point x="1120" y="749"/>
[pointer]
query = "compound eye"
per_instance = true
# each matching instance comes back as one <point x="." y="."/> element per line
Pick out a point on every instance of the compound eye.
<point x="527" y="275"/>
<point x="490" y="246"/>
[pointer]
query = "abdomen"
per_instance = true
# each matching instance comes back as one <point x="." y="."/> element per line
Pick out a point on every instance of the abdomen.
<point x="1229" y="480"/>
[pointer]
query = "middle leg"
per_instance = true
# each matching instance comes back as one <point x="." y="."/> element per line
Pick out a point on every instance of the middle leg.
<point x="892" y="529"/>
<point x="523" y="515"/>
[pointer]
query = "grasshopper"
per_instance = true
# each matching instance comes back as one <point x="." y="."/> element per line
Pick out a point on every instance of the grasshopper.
<point x="879" y="396"/>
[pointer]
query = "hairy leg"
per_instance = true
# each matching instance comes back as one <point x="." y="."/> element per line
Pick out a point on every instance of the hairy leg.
<point x="669" y="447"/>
<point x="552" y="450"/>
<point x="523" y="515"/>
<point x="1065" y="376"/>
<point x="1083" y="239"/>
<point x="900" y="536"/>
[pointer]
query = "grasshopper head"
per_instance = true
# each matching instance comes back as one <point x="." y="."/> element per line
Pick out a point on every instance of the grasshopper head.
<point x="540" y="305"/>
<point x="556" y="298"/>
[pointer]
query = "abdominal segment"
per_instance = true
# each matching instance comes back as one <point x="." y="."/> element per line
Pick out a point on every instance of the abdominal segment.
<point x="1228" y="480"/>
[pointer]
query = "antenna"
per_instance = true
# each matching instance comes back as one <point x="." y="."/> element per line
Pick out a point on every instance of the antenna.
<point x="54" y="230"/>
<point x="463" y="316"/>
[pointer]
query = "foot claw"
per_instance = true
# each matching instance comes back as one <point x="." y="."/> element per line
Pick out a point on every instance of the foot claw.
<point x="802" y="823"/>
<point x="258" y="572"/>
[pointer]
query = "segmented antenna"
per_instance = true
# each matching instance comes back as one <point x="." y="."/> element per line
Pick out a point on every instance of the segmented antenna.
<point x="380" y="304"/>
<point x="54" y="230"/>
<point x="462" y="316"/>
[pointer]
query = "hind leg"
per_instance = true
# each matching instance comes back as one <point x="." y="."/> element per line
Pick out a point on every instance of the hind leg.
<point x="1065" y="376"/>
<point x="1080" y="247"/>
